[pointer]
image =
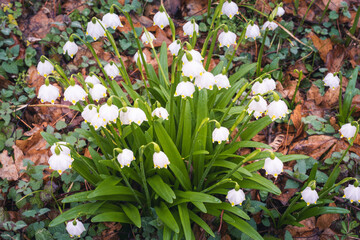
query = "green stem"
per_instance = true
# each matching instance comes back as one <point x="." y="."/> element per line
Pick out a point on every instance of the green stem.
<point x="354" y="26"/>
<point x="307" y="11"/>
<point x="296" y="89"/>
<point x="261" y="53"/>
<point x="237" y="46"/>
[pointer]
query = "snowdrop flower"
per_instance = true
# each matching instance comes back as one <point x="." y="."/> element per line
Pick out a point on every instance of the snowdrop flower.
<point x="309" y="196"/>
<point x="252" y="31"/>
<point x="331" y="81"/>
<point x="235" y="197"/>
<point x="220" y="134"/>
<point x="45" y="68"/>
<point x="222" y="81"/>
<point x="352" y="193"/>
<point x="185" y="89"/>
<point x="192" y="69"/>
<point x="277" y="110"/>
<point x="266" y="86"/>
<point x="269" y="25"/>
<point x="48" y="93"/>
<point x="206" y="80"/>
<point x="74" y="94"/>
<point x="174" y="47"/>
<point x="112" y="70"/>
<point x="138" y="56"/>
<point x="348" y="131"/>
<point x="92" y="79"/>
<point x="230" y="9"/>
<point x="75" y="228"/>
<point x="96" y="121"/>
<point x="125" y="158"/>
<point x="111" y="20"/>
<point x="89" y="112"/>
<point x="280" y="12"/>
<point x="70" y="48"/>
<point x="60" y="162"/>
<point x="109" y="113"/>
<point x="94" y="29"/>
<point x="160" y="160"/>
<point x="160" y="112"/>
<point x="191" y="27"/>
<point x="227" y="38"/>
<point x="259" y="107"/>
<point x="161" y="19"/>
<point x="147" y="39"/>
<point x="97" y="92"/>
<point x="136" y="115"/>
<point x="196" y="56"/>
<point x="273" y="166"/>
<point x="62" y="148"/>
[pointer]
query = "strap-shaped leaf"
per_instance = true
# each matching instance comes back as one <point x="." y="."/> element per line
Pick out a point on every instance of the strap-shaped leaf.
<point x="161" y="188"/>
<point x="244" y="144"/>
<point x="242" y="226"/>
<point x="243" y="70"/>
<point x="185" y="220"/>
<point x="132" y="213"/>
<point x="315" y="211"/>
<point x="197" y="196"/>
<point x="96" y="158"/>
<point x="231" y="165"/>
<point x="200" y="206"/>
<point x="113" y="190"/>
<point x="261" y="183"/>
<point x="201" y="223"/>
<point x="166" y="217"/>
<point x="255" y="127"/>
<point x="111" y="217"/>
<point x="226" y="206"/>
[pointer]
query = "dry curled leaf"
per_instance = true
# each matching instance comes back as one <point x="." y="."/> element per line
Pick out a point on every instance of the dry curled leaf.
<point x="278" y="142"/>
<point x="9" y="170"/>
<point x="323" y="46"/>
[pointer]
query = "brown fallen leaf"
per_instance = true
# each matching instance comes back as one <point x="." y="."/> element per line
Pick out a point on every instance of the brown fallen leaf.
<point x="325" y="220"/>
<point x="285" y="196"/>
<point x="335" y="58"/>
<point x="278" y="142"/>
<point x="9" y="170"/>
<point x="323" y="46"/>
<point x="305" y="232"/>
<point x="194" y="7"/>
<point x="328" y="234"/>
<point x="296" y="117"/>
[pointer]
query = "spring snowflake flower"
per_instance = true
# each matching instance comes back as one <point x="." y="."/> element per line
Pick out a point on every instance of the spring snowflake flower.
<point x="266" y="86"/>
<point x="348" y="131"/>
<point x="62" y="148"/>
<point x="136" y="115"/>
<point x="138" y="56"/>
<point x="277" y="110"/>
<point x="75" y="228"/>
<point x="111" y="20"/>
<point x="125" y="158"/>
<point x="185" y="89"/>
<point x="70" y="48"/>
<point x="89" y="112"/>
<point x="95" y="30"/>
<point x="220" y="134"/>
<point x="109" y="113"/>
<point x="259" y="107"/>
<point x="235" y="197"/>
<point x="331" y="81"/>
<point x="97" y="92"/>
<point x="174" y="47"/>
<point x="252" y="31"/>
<point x="160" y="160"/>
<point x="161" y="19"/>
<point x="192" y="69"/>
<point x="160" y="112"/>
<point x="45" y="68"/>
<point x="60" y="162"/>
<point x="352" y="193"/>
<point x="92" y="79"/>
<point x="145" y="39"/>
<point x="230" y="9"/>
<point x="112" y="70"/>
<point x="309" y="196"/>
<point x="227" y="38"/>
<point x="206" y="80"/>
<point x="96" y="121"/>
<point x="74" y="94"/>
<point x="124" y="116"/>
<point x="196" y="56"/>
<point x="190" y="27"/>
<point x="280" y="11"/>
<point x="273" y="166"/>
<point x="48" y="93"/>
<point x="222" y="81"/>
<point x="269" y="25"/>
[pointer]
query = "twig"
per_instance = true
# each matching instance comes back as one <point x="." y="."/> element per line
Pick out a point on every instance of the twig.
<point x="221" y="220"/>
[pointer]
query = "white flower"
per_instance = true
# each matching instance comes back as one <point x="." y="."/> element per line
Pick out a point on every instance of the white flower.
<point x="174" y="47"/>
<point x="71" y="48"/>
<point x="309" y="196"/>
<point x="160" y="112"/>
<point x="273" y="166"/>
<point x="45" y="68"/>
<point x="185" y="89"/>
<point x="74" y="94"/>
<point x="161" y="19"/>
<point x="206" y="80"/>
<point x="147" y="39"/>
<point x="280" y="12"/>
<point x="111" y="20"/>
<point x="88" y="113"/>
<point x="192" y="69"/>
<point x="266" y="86"/>
<point x="124" y="116"/>
<point x="352" y="193"/>
<point x="138" y="56"/>
<point x="235" y="197"/>
<point x="252" y="31"/>
<point x="75" y="230"/>
<point x="160" y="160"/>
<point x="92" y="79"/>
<point x="230" y="9"/>
<point x="109" y="113"/>
<point x="222" y="81"/>
<point x="277" y="110"/>
<point x="348" y="131"/>
<point x="331" y="81"/>
<point x="62" y="148"/>
<point x="269" y="25"/>
<point x="97" y="92"/>
<point x="60" y="162"/>
<point x="196" y="56"/>
<point x="136" y="115"/>
<point x="112" y="70"/>
<point x="189" y="28"/>
<point x="95" y="30"/>
<point x="48" y="93"/>
<point x="259" y="107"/>
<point x="227" y="39"/>
<point x="96" y="121"/>
<point x="125" y="158"/>
<point x="220" y="134"/>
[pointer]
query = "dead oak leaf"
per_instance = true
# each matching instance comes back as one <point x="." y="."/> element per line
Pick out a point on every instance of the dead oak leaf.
<point x="323" y="46"/>
<point x="9" y="170"/>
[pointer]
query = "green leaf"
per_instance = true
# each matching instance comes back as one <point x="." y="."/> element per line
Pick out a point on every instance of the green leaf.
<point x="254" y="128"/>
<point x="197" y="197"/>
<point x="242" y="226"/>
<point x="111" y="217"/>
<point x="49" y="138"/>
<point x="231" y="165"/>
<point x="106" y="190"/>
<point x="201" y="223"/>
<point x="226" y="206"/>
<point x="244" y="144"/>
<point x="261" y="183"/>
<point x="60" y="125"/>
<point x="133" y="213"/>
<point x="11" y="67"/>
<point x="164" y="65"/>
<point x="43" y="234"/>
<point x="166" y="217"/>
<point x="316" y="211"/>
<point x="243" y="70"/>
<point x="161" y="188"/>
<point x="185" y="220"/>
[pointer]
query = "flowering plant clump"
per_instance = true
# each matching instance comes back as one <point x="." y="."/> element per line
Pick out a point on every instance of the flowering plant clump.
<point x="165" y="156"/>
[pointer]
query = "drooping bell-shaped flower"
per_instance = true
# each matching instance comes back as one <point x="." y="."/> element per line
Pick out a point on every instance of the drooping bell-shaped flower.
<point x="266" y="86"/>
<point x="206" y="80"/>
<point x="309" y="196"/>
<point x="62" y="148"/>
<point x="195" y="55"/>
<point x="235" y="197"/>
<point x="112" y="70"/>
<point x="160" y="112"/>
<point x="124" y="116"/>
<point x="111" y="20"/>
<point x="97" y="92"/>
<point x="277" y="110"/>
<point x="352" y="193"/>
<point x="45" y="68"/>
<point x="230" y="9"/>
<point x="185" y="89"/>
<point x="227" y="39"/>
<point x="136" y="115"/>
<point x="92" y="79"/>
<point x="273" y="166"/>
<point x="160" y="160"/>
<point x="347" y="131"/>
<point x="125" y="158"/>
<point x="174" y="47"/>
<point x="258" y="105"/>
<point x="280" y="11"/>
<point x="146" y="39"/>
<point x="89" y="112"/>
<point x="109" y="113"/>
<point x="70" y="48"/>
<point x="161" y="19"/>
<point x="190" y="27"/>
<point x="48" y="93"/>
<point x="75" y="228"/>
<point x="269" y="25"/>
<point x="222" y="81"/>
<point x="192" y="69"/>
<point x="220" y="134"/>
<point x="138" y="56"/>
<point x="97" y="122"/>
<point x="74" y="94"/>
<point x="95" y="30"/>
<point x="252" y="31"/>
<point x="60" y="162"/>
<point x="331" y="81"/>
